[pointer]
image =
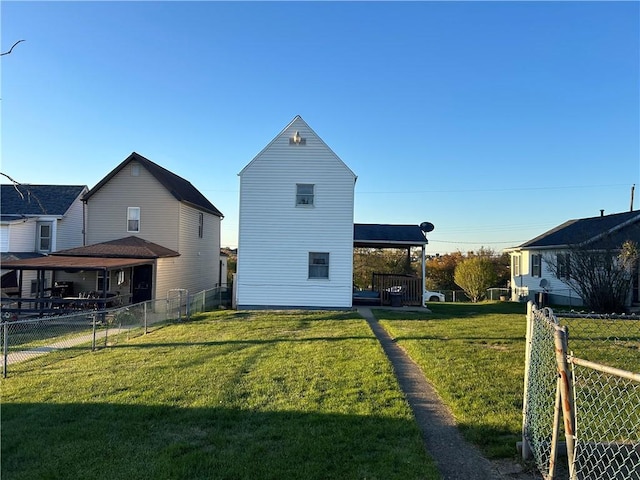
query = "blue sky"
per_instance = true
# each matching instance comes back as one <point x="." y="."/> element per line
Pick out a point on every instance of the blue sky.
<point x="495" y="121"/>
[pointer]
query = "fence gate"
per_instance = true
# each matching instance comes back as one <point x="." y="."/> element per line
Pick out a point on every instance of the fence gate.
<point x="582" y="392"/>
<point x="177" y="304"/>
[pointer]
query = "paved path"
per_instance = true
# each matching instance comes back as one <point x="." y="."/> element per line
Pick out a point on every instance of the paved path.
<point x="456" y="459"/>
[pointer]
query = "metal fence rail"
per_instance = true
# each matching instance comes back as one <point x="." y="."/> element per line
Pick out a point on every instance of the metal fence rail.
<point x="30" y="344"/>
<point x="594" y="405"/>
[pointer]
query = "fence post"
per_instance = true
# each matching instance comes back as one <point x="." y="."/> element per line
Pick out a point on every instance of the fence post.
<point x="526" y="448"/>
<point x="5" y="347"/>
<point x="93" y="340"/>
<point x="144" y="316"/>
<point x="564" y="381"/>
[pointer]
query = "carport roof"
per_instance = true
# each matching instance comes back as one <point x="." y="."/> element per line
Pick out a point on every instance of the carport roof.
<point x="375" y="235"/>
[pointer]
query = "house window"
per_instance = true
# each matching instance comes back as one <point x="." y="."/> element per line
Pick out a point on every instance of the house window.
<point x="100" y="284"/>
<point x="200" y="224"/>
<point x="318" y="265"/>
<point x="536" y="265"/>
<point x="304" y="194"/>
<point x="516" y="265"/>
<point x="135" y="169"/>
<point x="564" y="267"/>
<point x="133" y="219"/>
<point x="37" y="286"/>
<point x="44" y="237"/>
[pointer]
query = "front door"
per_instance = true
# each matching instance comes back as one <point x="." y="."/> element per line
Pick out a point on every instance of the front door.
<point x="142" y="283"/>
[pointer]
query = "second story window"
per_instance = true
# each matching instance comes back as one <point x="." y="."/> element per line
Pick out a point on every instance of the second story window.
<point x="200" y="225"/>
<point x="304" y="194"/>
<point x="133" y="219"/>
<point x="44" y="237"/>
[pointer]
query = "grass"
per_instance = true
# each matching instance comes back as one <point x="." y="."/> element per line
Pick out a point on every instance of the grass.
<point x="473" y="354"/>
<point x="227" y="395"/>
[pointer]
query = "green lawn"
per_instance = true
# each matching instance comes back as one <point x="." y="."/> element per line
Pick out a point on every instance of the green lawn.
<point x="473" y="354"/>
<point x="227" y="395"/>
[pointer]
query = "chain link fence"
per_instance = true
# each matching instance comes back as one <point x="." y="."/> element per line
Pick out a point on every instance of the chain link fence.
<point x="582" y="395"/>
<point x="30" y="344"/>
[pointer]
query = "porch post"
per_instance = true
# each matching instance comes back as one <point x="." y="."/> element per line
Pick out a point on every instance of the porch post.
<point x="424" y="276"/>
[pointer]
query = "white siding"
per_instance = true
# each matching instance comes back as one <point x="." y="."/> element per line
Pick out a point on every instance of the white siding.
<point x="276" y="237"/>
<point x="21" y="237"/>
<point x="4" y="238"/>
<point x="561" y="292"/>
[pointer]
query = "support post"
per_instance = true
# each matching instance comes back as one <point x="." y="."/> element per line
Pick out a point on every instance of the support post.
<point x="424" y="276"/>
<point x="93" y="340"/>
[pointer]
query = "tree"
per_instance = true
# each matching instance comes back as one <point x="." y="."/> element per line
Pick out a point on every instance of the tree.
<point x="602" y="277"/>
<point x="440" y="270"/>
<point x="474" y="275"/>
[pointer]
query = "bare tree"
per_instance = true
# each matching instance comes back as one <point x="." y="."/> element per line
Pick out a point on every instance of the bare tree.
<point x="11" y="49"/>
<point x="602" y="276"/>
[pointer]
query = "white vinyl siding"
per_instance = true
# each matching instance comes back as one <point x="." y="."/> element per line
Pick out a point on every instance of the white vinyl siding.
<point x="276" y="236"/>
<point x="69" y="227"/>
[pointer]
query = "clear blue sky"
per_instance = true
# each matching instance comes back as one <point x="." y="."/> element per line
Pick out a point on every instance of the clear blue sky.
<point x="495" y="121"/>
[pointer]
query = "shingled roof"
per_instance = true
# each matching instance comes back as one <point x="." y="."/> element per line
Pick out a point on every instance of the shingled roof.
<point x="128" y="247"/>
<point x="181" y="189"/>
<point x="24" y="200"/>
<point x="611" y="230"/>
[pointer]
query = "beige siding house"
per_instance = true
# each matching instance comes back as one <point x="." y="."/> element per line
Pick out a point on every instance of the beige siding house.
<point x="141" y="199"/>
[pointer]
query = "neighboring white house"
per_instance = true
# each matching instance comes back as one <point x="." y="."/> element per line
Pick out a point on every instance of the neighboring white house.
<point x="295" y="243"/>
<point x="531" y="274"/>
<point x="36" y="221"/>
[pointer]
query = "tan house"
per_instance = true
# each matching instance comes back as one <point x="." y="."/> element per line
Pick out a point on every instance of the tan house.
<point x="147" y="232"/>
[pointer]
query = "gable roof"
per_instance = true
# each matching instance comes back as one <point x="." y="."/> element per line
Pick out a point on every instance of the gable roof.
<point x="374" y="235"/>
<point x="181" y="189"/>
<point x="128" y="247"/>
<point x="298" y="124"/>
<point x="36" y="200"/>
<point x="599" y="231"/>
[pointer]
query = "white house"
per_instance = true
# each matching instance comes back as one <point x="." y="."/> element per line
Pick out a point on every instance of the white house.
<point x="295" y="243"/>
<point x="532" y="275"/>
<point x="36" y="221"/>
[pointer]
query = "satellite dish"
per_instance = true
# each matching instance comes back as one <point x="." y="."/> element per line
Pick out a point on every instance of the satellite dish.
<point x="426" y="227"/>
<point x="544" y="283"/>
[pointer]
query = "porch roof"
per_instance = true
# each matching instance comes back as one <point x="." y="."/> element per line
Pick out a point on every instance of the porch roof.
<point x="375" y="235"/>
<point x="73" y="263"/>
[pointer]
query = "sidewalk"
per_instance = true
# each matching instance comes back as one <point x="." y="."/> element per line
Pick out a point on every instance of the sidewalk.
<point x="455" y="457"/>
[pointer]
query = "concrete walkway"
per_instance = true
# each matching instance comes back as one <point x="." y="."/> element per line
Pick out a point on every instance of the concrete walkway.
<point x="456" y="459"/>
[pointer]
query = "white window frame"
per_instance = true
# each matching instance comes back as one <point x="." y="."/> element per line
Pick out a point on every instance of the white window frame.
<point x="319" y="263"/>
<point x="536" y="265"/>
<point x="133" y="215"/>
<point x="516" y="265"/>
<point x="40" y="237"/>
<point x="303" y="197"/>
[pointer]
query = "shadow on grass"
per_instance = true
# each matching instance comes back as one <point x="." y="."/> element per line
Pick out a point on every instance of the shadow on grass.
<point x="445" y="311"/>
<point x="113" y="441"/>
